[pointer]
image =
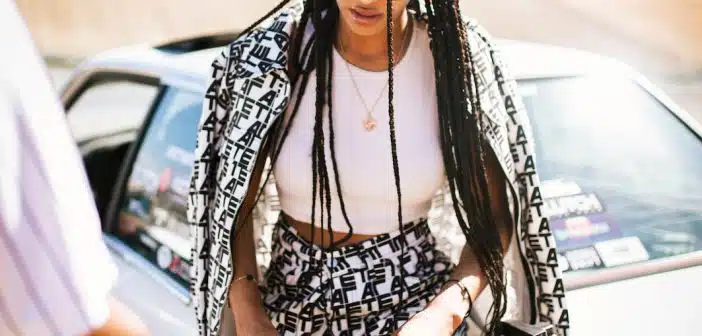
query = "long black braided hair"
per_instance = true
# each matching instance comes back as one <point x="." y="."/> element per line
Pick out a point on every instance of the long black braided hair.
<point x="462" y="143"/>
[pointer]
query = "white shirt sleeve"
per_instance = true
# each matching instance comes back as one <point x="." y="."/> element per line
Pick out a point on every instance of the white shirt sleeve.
<point x="55" y="270"/>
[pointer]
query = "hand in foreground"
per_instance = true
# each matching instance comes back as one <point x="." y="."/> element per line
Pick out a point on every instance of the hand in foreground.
<point x="121" y="321"/>
<point x="262" y="327"/>
<point x="250" y="318"/>
<point x="431" y="321"/>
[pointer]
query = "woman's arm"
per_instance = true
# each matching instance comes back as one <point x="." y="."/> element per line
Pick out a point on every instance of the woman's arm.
<point x="446" y="312"/>
<point x="468" y="271"/>
<point x="244" y="295"/>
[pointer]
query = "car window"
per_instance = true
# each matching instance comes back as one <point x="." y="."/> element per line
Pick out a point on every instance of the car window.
<point x="110" y="105"/>
<point x="621" y="175"/>
<point x="152" y="219"/>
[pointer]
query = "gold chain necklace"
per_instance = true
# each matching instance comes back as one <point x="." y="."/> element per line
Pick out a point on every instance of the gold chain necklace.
<point x="369" y="123"/>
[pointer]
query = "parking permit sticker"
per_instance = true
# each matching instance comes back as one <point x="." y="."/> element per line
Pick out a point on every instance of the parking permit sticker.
<point x="148" y="241"/>
<point x="622" y="251"/>
<point x="582" y="231"/>
<point x="583" y="259"/>
<point x="572" y="205"/>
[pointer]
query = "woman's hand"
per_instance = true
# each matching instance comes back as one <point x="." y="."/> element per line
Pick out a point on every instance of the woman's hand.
<point x="260" y="326"/>
<point x="434" y="320"/>
<point x="250" y="317"/>
<point x="444" y="314"/>
<point x="253" y="320"/>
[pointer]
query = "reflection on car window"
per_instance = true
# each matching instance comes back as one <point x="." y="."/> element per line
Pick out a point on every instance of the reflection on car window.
<point x="620" y="174"/>
<point x="110" y="107"/>
<point x="153" y="220"/>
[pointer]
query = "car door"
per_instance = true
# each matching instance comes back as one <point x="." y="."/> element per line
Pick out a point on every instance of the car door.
<point x="147" y="218"/>
<point x="133" y="132"/>
<point x="105" y="110"/>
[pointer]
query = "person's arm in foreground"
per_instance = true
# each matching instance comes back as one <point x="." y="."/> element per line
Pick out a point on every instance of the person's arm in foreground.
<point x="121" y="321"/>
<point x="56" y="271"/>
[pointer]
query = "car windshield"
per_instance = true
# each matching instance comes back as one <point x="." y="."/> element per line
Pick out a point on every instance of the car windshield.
<point x="621" y="175"/>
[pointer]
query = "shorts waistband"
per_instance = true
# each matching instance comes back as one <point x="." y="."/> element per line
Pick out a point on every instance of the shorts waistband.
<point x="416" y="232"/>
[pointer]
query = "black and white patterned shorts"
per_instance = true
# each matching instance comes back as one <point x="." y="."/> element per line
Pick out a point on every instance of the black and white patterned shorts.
<point x="353" y="290"/>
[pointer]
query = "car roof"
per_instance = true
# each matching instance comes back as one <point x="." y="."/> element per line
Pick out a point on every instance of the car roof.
<point x="526" y="60"/>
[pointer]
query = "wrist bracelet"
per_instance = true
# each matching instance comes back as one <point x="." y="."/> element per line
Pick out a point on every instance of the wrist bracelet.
<point x="464" y="292"/>
<point x="248" y="277"/>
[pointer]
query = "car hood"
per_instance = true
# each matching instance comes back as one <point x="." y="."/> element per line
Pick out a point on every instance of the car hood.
<point x="659" y="304"/>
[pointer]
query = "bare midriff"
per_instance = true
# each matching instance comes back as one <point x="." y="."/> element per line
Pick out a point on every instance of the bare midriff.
<point x="321" y="236"/>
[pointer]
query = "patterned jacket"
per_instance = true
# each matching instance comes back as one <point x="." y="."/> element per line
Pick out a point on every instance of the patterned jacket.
<point x="249" y="90"/>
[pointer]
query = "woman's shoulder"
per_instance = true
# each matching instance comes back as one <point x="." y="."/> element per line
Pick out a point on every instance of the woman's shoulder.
<point x="478" y="35"/>
<point x="262" y="48"/>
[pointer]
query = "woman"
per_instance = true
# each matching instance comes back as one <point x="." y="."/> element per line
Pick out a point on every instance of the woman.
<point x="352" y="251"/>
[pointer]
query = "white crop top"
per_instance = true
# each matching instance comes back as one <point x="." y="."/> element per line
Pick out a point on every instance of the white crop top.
<point x="364" y="158"/>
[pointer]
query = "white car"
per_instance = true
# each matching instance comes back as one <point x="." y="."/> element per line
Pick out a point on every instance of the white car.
<point x="621" y="165"/>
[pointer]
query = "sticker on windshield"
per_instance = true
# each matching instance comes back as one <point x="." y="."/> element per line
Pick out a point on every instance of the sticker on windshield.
<point x="180" y="267"/>
<point x="572" y="205"/>
<point x="581" y="231"/>
<point x="583" y="259"/>
<point x="164" y="256"/>
<point x="622" y="251"/>
<point x="670" y="242"/>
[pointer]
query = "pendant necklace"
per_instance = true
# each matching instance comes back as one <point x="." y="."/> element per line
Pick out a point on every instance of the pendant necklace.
<point x="369" y="124"/>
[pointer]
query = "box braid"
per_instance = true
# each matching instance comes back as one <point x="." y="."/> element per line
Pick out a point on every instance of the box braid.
<point x="393" y="149"/>
<point x="461" y="139"/>
<point x="463" y="145"/>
